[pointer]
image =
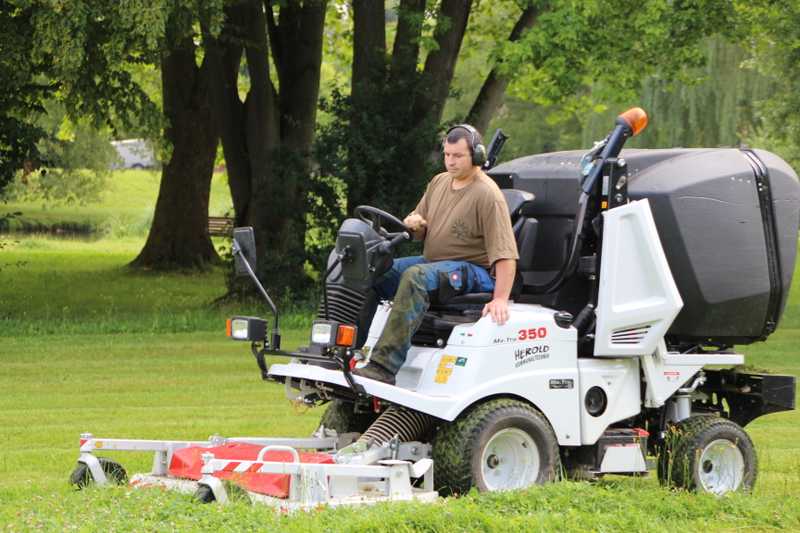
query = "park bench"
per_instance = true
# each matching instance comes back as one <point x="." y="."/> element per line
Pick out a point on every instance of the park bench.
<point x="220" y="226"/>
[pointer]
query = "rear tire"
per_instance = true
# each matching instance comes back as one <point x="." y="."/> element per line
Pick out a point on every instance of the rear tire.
<point x="708" y="454"/>
<point x="82" y="476"/>
<point x="498" y="445"/>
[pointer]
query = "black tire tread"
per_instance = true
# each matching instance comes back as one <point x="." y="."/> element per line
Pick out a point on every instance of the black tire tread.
<point x="454" y="441"/>
<point x="204" y="494"/>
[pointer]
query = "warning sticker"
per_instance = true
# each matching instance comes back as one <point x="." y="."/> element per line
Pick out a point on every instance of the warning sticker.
<point x="445" y="368"/>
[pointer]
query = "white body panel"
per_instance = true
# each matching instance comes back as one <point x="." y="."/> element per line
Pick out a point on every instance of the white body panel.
<point x="623" y="458"/>
<point x="619" y="379"/>
<point x="481" y="360"/>
<point x="666" y="372"/>
<point x="638" y="298"/>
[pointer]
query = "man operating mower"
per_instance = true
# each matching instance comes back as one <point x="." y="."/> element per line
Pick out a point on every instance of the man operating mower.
<point x="469" y="246"/>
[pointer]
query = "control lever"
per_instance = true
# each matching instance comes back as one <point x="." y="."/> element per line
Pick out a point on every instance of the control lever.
<point x="387" y="246"/>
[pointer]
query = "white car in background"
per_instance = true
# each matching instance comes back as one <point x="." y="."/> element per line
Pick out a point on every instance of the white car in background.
<point x="133" y="153"/>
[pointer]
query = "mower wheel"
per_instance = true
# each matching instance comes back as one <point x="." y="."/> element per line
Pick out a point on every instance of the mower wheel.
<point x="204" y="494"/>
<point x="501" y="444"/>
<point x="82" y="476"/>
<point x="339" y="416"/>
<point x="708" y="454"/>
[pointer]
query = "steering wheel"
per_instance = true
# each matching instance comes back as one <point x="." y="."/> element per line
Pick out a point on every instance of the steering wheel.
<point x="378" y="218"/>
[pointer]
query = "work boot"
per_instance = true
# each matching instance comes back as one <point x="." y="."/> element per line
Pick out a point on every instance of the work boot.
<point x="376" y="372"/>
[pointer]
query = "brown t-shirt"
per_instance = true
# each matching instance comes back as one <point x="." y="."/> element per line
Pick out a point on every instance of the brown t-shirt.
<point x="469" y="224"/>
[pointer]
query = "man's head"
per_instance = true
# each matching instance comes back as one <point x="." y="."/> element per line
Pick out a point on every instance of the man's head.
<point x="459" y="148"/>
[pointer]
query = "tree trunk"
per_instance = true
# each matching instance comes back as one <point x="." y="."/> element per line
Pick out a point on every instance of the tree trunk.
<point x="179" y="234"/>
<point x="369" y="49"/>
<point x="224" y="54"/>
<point x="441" y="63"/>
<point x="267" y="138"/>
<point x="405" y="50"/>
<point x="434" y="86"/>
<point x="298" y="61"/>
<point x="490" y="97"/>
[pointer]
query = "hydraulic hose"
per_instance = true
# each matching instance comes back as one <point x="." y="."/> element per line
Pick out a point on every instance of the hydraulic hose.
<point x="406" y="424"/>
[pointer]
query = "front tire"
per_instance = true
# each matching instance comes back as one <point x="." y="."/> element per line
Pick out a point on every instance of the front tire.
<point x="708" y="454"/>
<point x="498" y="445"/>
<point x="204" y="494"/>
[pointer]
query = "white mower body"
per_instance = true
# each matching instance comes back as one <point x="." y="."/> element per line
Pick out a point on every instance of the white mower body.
<point x="530" y="357"/>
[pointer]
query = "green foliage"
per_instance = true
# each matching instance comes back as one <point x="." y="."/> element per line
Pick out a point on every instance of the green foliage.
<point x="719" y="109"/>
<point x="772" y="35"/>
<point x="21" y="92"/>
<point x="372" y="158"/>
<point x="723" y="105"/>
<point x="75" y="160"/>
<point x="610" y="44"/>
<point x="327" y="207"/>
<point x="94" y="49"/>
<point x="95" y="58"/>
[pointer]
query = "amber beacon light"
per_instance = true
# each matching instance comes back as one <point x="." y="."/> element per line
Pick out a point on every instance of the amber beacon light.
<point x="635" y="118"/>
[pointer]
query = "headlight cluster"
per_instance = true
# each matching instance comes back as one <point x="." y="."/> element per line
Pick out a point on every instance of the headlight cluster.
<point x="246" y="328"/>
<point x="330" y="333"/>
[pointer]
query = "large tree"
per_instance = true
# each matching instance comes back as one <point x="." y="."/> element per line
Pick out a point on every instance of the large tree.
<point x="267" y="135"/>
<point x="87" y="51"/>
<point x="178" y="236"/>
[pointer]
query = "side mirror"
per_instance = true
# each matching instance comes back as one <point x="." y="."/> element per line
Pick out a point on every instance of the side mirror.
<point x="245" y="238"/>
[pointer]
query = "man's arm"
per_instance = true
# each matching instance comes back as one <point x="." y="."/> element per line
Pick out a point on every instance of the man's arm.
<point x="504" y="279"/>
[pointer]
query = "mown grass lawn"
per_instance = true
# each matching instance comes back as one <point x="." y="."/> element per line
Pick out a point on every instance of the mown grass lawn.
<point x="86" y="345"/>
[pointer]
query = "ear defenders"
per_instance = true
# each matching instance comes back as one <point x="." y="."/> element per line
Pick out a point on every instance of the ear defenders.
<point x="476" y="147"/>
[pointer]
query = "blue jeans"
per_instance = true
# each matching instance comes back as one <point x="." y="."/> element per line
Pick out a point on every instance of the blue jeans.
<point x="409" y="283"/>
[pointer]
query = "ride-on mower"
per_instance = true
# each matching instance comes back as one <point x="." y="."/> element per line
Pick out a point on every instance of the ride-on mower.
<point x="638" y="273"/>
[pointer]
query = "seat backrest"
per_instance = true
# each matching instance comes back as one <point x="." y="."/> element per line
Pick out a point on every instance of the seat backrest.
<point x="526" y="242"/>
<point x="525" y="228"/>
<point x="515" y="200"/>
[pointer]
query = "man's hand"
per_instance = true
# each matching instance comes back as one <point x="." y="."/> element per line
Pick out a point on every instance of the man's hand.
<point x="498" y="308"/>
<point x="416" y="224"/>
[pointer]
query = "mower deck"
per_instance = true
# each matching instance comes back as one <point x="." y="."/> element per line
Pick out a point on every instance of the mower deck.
<point x="308" y="484"/>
